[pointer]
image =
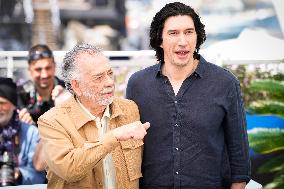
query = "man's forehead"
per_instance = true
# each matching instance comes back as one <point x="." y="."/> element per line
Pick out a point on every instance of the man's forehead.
<point x="184" y="21"/>
<point x="93" y="64"/>
<point x="3" y="100"/>
<point x="93" y="59"/>
<point x="42" y="62"/>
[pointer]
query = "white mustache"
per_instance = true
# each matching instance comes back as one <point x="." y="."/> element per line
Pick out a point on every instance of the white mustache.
<point x="108" y="90"/>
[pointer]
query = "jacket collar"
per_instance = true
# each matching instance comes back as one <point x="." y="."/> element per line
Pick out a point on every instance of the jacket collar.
<point x="80" y="117"/>
<point x="115" y="109"/>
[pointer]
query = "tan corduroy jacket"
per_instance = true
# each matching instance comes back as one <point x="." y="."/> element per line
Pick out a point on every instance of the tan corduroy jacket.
<point x="74" y="153"/>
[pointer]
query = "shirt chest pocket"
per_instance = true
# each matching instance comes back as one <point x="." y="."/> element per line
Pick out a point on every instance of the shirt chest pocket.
<point x="132" y="151"/>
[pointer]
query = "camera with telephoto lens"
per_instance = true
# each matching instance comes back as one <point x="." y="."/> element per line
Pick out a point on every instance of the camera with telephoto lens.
<point x="7" y="169"/>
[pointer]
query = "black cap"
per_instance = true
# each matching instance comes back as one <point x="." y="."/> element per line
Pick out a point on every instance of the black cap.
<point x="8" y="90"/>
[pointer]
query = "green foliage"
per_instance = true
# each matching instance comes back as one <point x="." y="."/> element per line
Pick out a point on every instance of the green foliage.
<point x="273" y="89"/>
<point x="266" y="141"/>
<point x="274" y="165"/>
<point x="267" y="107"/>
<point x="263" y="89"/>
<point x="263" y="93"/>
<point x="278" y="182"/>
<point x="278" y="77"/>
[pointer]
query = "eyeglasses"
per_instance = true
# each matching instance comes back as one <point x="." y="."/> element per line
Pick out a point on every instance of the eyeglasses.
<point x="36" y="55"/>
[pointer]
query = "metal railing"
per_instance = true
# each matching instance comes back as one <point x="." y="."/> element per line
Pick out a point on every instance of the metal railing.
<point x="11" y="60"/>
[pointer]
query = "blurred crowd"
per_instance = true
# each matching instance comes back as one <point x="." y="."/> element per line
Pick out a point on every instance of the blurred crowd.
<point x="21" y="154"/>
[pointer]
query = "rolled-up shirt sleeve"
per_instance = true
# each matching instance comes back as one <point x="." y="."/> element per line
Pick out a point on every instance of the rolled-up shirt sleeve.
<point x="236" y="137"/>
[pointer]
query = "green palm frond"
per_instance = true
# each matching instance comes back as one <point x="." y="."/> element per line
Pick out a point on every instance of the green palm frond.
<point x="273" y="88"/>
<point x="266" y="141"/>
<point x="266" y="107"/>
<point x="277" y="183"/>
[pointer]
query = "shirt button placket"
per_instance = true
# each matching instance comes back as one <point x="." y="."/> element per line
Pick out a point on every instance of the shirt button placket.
<point x="176" y="146"/>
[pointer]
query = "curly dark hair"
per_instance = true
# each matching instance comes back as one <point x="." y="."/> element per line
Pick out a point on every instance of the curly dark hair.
<point x="157" y="25"/>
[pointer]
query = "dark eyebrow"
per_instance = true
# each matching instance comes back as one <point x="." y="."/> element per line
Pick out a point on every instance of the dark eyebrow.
<point x="190" y="29"/>
<point x="171" y="31"/>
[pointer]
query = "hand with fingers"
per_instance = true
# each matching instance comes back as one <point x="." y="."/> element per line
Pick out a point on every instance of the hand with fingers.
<point x="58" y="89"/>
<point x="135" y="130"/>
<point x="25" y="116"/>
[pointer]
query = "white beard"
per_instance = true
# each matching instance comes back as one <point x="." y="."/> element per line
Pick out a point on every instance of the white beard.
<point x="5" y="117"/>
<point x="89" y="94"/>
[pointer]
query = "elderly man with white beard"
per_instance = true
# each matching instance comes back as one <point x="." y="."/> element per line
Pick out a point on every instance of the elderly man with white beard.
<point x="17" y="141"/>
<point x="92" y="140"/>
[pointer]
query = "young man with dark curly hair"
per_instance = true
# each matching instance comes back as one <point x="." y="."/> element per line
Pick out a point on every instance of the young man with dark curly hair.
<point x="198" y="137"/>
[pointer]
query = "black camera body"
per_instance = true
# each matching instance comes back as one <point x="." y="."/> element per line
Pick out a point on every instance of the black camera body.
<point x="7" y="169"/>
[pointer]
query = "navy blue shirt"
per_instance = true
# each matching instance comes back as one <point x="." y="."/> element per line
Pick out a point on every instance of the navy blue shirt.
<point x="197" y="138"/>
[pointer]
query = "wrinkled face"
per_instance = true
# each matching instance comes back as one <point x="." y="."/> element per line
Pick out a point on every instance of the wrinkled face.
<point x="179" y="40"/>
<point x="96" y="82"/>
<point x="6" y="111"/>
<point x="42" y="72"/>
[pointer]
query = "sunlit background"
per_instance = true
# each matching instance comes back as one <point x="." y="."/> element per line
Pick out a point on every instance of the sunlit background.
<point x="124" y="24"/>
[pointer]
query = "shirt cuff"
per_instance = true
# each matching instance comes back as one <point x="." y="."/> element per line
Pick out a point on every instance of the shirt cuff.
<point x="240" y="178"/>
<point x="109" y="141"/>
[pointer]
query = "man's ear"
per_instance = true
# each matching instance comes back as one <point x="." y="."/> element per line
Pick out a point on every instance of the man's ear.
<point x="75" y="87"/>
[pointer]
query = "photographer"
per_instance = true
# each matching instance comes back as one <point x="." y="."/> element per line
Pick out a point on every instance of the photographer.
<point x="36" y="96"/>
<point x="17" y="141"/>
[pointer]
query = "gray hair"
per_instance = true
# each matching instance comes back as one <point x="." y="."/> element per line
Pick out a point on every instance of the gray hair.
<point x="69" y="69"/>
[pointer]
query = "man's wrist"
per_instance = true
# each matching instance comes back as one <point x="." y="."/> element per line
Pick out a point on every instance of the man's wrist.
<point x="240" y="185"/>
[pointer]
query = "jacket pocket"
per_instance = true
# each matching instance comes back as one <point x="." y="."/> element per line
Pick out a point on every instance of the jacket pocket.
<point x="132" y="151"/>
<point x="83" y="183"/>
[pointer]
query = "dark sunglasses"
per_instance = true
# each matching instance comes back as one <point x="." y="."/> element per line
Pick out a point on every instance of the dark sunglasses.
<point x="36" y="55"/>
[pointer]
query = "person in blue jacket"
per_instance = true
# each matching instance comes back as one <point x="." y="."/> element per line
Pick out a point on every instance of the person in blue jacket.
<point x="17" y="141"/>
